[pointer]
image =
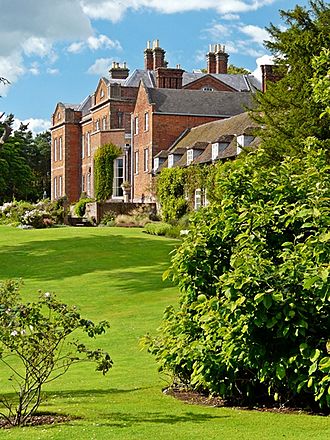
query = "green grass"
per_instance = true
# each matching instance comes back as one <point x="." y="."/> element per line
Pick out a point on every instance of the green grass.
<point x="115" y="274"/>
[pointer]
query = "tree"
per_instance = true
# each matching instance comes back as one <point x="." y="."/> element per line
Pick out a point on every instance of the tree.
<point x="232" y="69"/>
<point x="287" y="109"/>
<point x="37" y="347"/>
<point x="103" y="170"/>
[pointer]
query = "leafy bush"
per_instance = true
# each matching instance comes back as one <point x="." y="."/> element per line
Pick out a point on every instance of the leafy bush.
<point x="158" y="228"/>
<point x="103" y="170"/>
<point x="80" y="206"/>
<point x="39" y="215"/>
<point x="35" y="349"/>
<point x="253" y="272"/>
<point x="108" y="219"/>
<point x="171" y="193"/>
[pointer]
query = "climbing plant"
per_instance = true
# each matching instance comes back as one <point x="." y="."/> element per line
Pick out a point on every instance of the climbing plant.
<point x="103" y="170"/>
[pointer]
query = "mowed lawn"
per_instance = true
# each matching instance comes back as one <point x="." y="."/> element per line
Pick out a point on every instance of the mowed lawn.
<point x="115" y="274"/>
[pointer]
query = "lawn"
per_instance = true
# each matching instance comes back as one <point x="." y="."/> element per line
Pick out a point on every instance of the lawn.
<point x="115" y="274"/>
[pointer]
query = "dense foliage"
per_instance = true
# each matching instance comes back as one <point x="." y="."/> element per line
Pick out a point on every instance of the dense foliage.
<point x="103" y="170"/>
<point x="24" y="164"/>
<point x="288" y="110"/>
<point x="170" y="190"/>
<point x="253" y="273"/>
<point x="35" y="347"/>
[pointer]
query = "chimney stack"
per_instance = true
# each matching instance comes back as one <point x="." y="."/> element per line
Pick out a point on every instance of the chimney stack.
<point x="169" y="78"/>
<point x="118" y="72"/>
<point x="148" y="57"/>
<point x="269" y="73"/>
<point x="211" y="63"/>
<point x="221" y="58"/>
<point x="158" y="56"/>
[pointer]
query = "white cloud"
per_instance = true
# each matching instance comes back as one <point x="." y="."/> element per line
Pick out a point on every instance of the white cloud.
<point x="37" y="46"/>
<point x="34" y="69"/>
<point x="263" y="60"/>
<point x="51" y="71"/>
<point x="100" y="67"/>
<point x="219" y="30"/>
<point x="114" y="9"/>
<point x="230" y="17"/>
<point x="256" y="33"/>
<point x="11" y="68"/>
<point x="34" y="125"/>
<point x="94" y="43"/>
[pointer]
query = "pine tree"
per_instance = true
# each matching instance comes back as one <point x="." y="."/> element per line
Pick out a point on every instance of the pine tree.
<point x="287" y="109"/>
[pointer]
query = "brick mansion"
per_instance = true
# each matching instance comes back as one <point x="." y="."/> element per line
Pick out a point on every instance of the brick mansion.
<point x="152" y="114"/>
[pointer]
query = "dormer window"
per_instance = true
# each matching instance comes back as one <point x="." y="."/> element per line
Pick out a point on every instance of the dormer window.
<point x="170" y="160"/>
<point x="156" y="163"/>
<point x="208" y="89"/>
<point x="215" y="150"/>
<point x="243" y="140"/>
<point x="190" y="156"/>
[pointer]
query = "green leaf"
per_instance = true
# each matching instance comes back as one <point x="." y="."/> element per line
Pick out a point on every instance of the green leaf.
<point x="267" y="301"/>
<point x="315" y="355"/>
<point x="280" y="372"/>
<point x="312" y="368"/>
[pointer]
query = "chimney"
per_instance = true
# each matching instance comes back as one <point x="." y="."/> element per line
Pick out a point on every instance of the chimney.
<point x="169" y="78"/>
<point x="118" y="71"/>
<point x="211" y="64"/>
<point x="148" y="57"/>
<point x="269" y="73"/>
<point x="221" y="58"/>
<point x="159" y="55"/>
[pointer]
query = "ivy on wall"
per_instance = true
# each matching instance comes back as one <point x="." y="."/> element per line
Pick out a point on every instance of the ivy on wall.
<point x="103" y="170"/>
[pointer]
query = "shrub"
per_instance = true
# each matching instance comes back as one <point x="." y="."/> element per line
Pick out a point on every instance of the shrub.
<point x="108" y="219"/>
<point x="103" y="170"/>
<point x="171" y="193"/>
<point x="34" y="346"/>
<point x="158" y="228"/>
<point x="80" y="206"/>
<point x="253" y="273"/>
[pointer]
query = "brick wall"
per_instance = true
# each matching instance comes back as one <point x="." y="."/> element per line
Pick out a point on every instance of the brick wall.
<point x="208" y="81"/>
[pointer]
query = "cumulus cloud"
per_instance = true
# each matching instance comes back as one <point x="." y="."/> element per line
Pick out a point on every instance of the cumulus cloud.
<point x="100" y="67"/>
<point x="94" y="43"/>
<point x="114" y="9"/>
<point x="11" y="68"/>
<point x="34" y="124"/>
<point x="256" y="33"/>
<point x="264" y="59"/>
<point x="51" y="71"/>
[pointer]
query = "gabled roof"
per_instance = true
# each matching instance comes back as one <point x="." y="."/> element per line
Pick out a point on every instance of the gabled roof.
<point x="239" y="82"/>
<point x="198" y="102"/>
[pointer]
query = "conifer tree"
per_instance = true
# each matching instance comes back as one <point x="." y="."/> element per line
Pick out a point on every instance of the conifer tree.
<point x="287" y="108"/>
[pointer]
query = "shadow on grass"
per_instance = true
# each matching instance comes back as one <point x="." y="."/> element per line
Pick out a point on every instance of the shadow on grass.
<point x="136" y="264"/>
<point x="126" y="420"/>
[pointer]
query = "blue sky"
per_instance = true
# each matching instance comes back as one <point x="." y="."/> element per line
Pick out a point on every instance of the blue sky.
<point x="55" y="51"/>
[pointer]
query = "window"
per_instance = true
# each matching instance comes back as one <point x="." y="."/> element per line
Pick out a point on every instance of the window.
<point x="55" y="188"/>
<point x="208" y="89"/>
<point x="198" y="199"/>
<point x="101" y="93"/>
<point x="83" y="183"/>
<point x="120" y="119"/>
<point x="146" y="159"/>
<point x="215" y="151"/>
<point x="190" y="156"/>
<point x="156" y="163"/>
<point x="136" y="162"/>
<point x="60" y="186"/>
<point x="104" y="123"/>
<point x="146" y="121"/>
<point x="60" y="151"/>
<point x="136" y="125"/>
<point x="88" y="143"/>
<point x="97" y="125"/>
<point x="88" y="184"/>
<point x="58" y="116"/>
<point x="83" y="146"/>
<point x="118" y="177"/>
<point x="170" y="162"/>
<point x="55" y="149"/>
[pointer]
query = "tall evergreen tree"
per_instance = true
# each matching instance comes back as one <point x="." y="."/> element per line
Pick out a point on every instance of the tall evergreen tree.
<point x="287" y="108"/>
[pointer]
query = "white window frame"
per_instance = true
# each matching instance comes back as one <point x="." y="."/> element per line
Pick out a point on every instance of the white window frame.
<point x="60" y="186"/>
<point x="190" y="156"/>
<point x="198" y="199"/>
<point x="136" y="162"/>
<point x="136" y="125"/>
<point x="88" y="184"/>
<point x="146" y="160"/>
<point x="101" y="93"/>
<point x="83" y="146"/>
<point x="88" y="143"/>
<point x="60" y="148"/>
<point x="215" y="150"/>
<point x="170" y="160"/>
<point x="55" y="187"/>
<point x="55" y="150"/>
<point x="146" y="121"/>
<point x="97" y="125"/>
<point x="208" y="89"/>
<point x="118" y="179"/>
<point x="104" y="123"/>
<point x="156" y="163"/>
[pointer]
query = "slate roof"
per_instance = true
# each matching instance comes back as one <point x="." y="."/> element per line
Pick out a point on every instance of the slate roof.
<point x="198" y="102"/>
<point x="240" y="82"/>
